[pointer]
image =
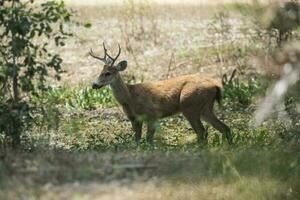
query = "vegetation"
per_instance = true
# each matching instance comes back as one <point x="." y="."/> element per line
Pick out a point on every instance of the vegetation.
<point x="74" y="142"/>
<point x="25" y="60"/>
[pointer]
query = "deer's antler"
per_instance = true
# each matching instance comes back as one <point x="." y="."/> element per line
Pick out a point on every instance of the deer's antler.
<point x="114" y="59"/>
<point x="107" y="59"/>
<point x="97" y="57"/>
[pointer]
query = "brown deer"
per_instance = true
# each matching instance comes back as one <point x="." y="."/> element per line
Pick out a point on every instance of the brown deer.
<point x="192" y="95"/>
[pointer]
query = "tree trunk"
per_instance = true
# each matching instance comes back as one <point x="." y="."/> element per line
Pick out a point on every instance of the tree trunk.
<point x="15" y="81"/>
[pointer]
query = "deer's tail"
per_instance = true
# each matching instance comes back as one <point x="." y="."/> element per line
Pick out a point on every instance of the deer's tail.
<point x="218" y="95"/>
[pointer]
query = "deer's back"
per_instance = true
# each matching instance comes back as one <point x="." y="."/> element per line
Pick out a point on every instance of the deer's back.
<point x="164" y="98"/>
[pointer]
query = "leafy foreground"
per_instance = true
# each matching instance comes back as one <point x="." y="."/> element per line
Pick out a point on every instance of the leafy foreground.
<point x="239" y="173"/>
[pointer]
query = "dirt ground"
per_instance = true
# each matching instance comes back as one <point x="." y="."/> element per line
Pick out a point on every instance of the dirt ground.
<point x="172" y="31"/>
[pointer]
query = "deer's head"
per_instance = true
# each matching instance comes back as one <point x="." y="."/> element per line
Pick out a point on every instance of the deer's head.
<point x="110" y="71"/>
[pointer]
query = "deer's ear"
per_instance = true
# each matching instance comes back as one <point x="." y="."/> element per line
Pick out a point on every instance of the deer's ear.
<point x="121" y="66"/>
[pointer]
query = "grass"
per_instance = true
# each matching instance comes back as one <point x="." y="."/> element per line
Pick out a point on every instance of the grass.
<point x="71" y="121"/>
<point x="167" y="190"/>
<point x="80" y="97"/>
<point x="212" y="174"/>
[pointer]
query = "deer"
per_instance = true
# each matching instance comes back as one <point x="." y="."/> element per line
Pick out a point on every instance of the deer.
<point x="192" y="95"/>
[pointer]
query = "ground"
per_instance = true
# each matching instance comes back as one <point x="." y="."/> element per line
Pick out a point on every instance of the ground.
<point x="205" y="174"/>
<point x="151" y="56"/>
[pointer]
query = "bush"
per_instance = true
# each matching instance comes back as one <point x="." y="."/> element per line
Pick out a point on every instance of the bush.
<point x="24" y="58"/>
<point x="238" y="94"/>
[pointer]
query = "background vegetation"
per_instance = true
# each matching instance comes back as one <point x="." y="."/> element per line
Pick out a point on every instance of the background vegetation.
<point x="63" y="140"/>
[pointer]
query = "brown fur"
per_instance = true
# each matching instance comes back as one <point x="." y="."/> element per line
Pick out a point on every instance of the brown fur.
<point x="164" y="98"/>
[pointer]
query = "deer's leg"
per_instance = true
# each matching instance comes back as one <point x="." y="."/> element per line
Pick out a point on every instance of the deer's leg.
<point x="136" y="124"/>
<point x="137" y="128"/>
<point x="194" y="120"/>
<point x="211" y="118"/>
<point x="150" y="132"/>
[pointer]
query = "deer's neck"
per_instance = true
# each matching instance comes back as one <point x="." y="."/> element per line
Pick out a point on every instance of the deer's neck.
<point x="122" y="94"/>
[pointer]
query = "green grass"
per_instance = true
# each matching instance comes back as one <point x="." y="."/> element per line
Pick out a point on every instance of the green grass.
<point x="84" y="119"/>
<point x="80" y="97"/>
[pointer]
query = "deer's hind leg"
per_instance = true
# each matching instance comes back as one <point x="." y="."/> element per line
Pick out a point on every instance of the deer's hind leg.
<point x="211" y="118"/>
<point x="192" y="102"/>
<point x="194" y="120"/>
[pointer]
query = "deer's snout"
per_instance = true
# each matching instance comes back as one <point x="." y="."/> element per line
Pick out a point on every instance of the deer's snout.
<point x="96" y="86"/>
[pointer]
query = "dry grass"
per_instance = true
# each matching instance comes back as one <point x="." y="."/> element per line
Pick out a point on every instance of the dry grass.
<point x="168" y="32"/>
<point x="159" y="40"/>
<point x="149" y="175"/>
<point x="248" y="188"/>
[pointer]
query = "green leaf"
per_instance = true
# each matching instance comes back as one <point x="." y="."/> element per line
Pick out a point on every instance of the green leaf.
<point x="87" y="25"/>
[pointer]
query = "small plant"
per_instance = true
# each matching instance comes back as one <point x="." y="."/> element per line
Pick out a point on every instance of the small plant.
<point x="82" y="97"/>
<point x="240" y="94"/>
<point x="57" y="101"/>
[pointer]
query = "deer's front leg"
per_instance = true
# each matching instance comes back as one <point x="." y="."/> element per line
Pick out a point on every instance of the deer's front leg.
<point x="137" y="128"/>
<point x="150" y="132"/>
<point x="136" y="124"/>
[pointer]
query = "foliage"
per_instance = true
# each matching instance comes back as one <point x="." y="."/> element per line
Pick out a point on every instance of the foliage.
<point x="26" y="31"/>
<point x="61" y="101"/>
<point x="81" y="97"/>
<point x="240" y="94"/>
<point x="14" y="118"/>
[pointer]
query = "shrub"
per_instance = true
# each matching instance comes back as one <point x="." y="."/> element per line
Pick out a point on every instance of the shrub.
<point x="24" y="58"/>
<point x="239" y="94"/>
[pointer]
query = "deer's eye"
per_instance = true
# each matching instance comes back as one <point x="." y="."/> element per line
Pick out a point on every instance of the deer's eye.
<point x="107" y="74"/>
